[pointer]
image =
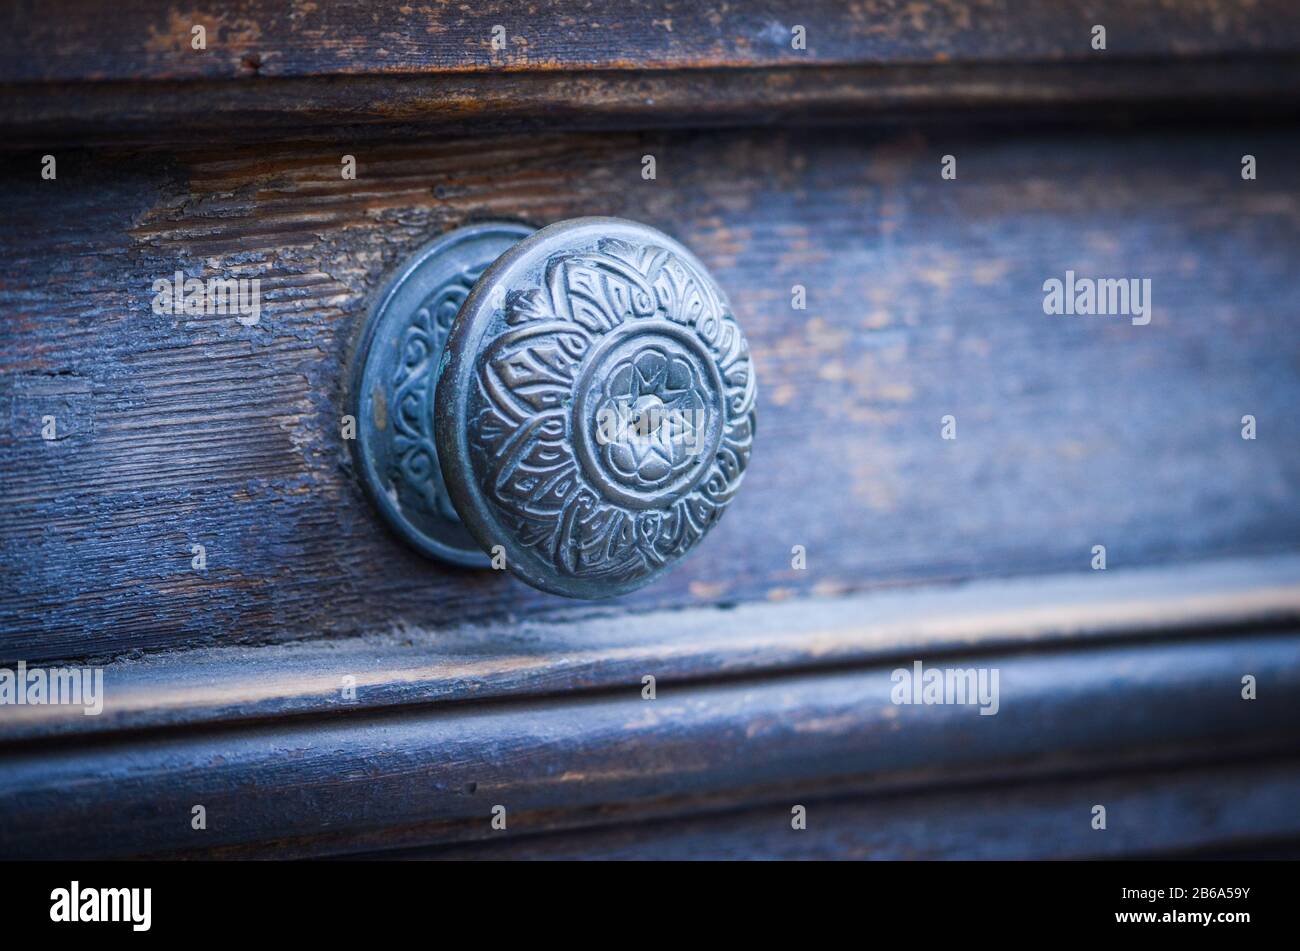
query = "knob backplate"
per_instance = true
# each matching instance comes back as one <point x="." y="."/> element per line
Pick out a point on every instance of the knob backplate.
<point x="395" y="367"/>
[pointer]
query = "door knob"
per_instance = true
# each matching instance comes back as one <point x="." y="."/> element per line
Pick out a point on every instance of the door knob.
<point x="575" y="404"/>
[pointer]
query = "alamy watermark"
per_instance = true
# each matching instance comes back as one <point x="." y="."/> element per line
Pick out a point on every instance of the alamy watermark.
<point x="649" y="422"/>
<point x="947" y="685"/>
<point x="192" y="297"/>
<point x="56" y="686"/>
<point x="1099" y="297"/>
<point x="77" y="903"/>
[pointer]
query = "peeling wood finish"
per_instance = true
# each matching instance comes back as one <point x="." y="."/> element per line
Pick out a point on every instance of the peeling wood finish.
<point x="370" y="782"/>
<point x="530" y="658"/>
<point x="924" y="299"/>
<point x="251" y="40"/>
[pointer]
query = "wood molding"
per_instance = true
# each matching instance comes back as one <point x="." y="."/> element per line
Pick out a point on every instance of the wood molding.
<point x="162" y="114"/>
<point x="416" y="666"/>
<point x="370" y="781"/>
<point x="1192" y="811"/>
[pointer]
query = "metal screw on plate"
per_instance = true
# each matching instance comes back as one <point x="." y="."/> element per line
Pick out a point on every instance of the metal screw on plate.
<point x="580" y="396"/>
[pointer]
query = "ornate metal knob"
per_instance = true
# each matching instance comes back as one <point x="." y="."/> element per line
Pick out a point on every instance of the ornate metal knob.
<point x="577" y="402"/>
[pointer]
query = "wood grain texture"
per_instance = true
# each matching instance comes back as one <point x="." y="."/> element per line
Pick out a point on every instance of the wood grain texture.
<point x="535" y="658"/>
<point x="924" y="299"/>
<point x="370" y="782"/>
<point x="80" y="40"/>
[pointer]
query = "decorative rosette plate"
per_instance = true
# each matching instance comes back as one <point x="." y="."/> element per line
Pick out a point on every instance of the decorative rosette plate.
<point x="394" y="379"/>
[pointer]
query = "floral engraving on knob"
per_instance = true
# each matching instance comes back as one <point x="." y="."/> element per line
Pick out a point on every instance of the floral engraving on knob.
<point x="615" y="411"/>
<point x="411" y="396"/>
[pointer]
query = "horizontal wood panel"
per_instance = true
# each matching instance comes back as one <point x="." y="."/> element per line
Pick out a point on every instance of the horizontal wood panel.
<point x="534" y="658"/>
<point x="128" y="75"/>
<point x="924" y="299"/>
<point x="245" y="39"/>
<point x="369" y="782"/>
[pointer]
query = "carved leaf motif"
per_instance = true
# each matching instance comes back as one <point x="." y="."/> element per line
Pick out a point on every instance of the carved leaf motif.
<point x="533" y="304"/>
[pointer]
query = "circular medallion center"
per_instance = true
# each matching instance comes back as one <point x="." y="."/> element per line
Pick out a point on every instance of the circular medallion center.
<point x="649" y="413"/>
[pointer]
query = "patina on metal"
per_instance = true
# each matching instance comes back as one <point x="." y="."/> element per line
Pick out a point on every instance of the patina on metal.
<point x="594" y="408"/>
